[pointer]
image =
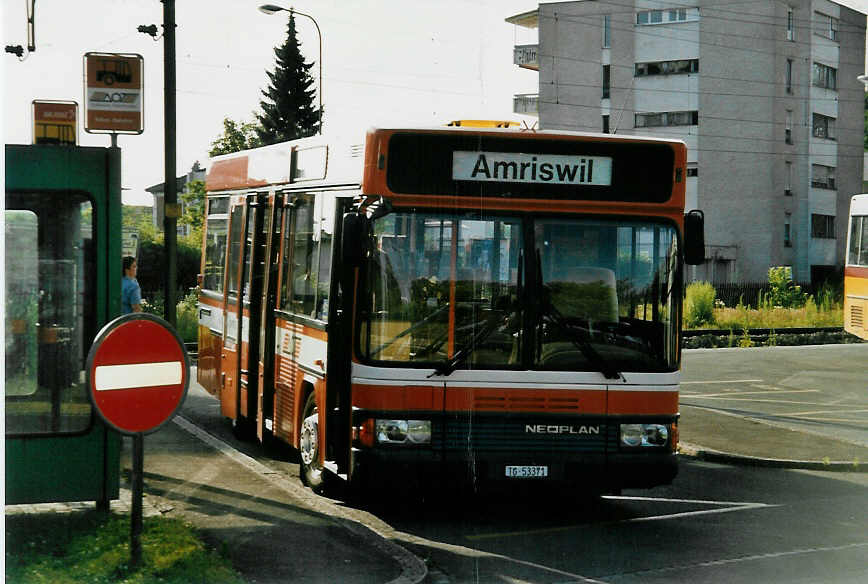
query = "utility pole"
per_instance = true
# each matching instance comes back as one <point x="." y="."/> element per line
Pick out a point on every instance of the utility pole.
<point x="172" y="209"/>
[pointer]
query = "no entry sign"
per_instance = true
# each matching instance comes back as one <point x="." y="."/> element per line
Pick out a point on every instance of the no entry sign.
<point x="137" y="372"/>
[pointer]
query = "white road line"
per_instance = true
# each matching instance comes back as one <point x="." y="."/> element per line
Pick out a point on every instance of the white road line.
<point x="754" y="392"/>
<point x="744" y="559"/>
<point x="722" y="381"/>
<point x="727" y="507"/>
<point x="136" y="375"/>
<point x="763" y="401"/>
<point x="814" y="413"/>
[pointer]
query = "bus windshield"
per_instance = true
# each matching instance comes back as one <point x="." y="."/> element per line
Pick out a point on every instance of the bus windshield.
<point x="449" y="291"/>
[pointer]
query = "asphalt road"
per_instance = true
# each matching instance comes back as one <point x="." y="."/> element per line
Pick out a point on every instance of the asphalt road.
<point x="716" y="523"/>
<point x="818" y="389"/>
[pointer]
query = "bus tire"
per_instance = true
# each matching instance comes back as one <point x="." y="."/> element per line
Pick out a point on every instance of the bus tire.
<point x="310" y="470"/>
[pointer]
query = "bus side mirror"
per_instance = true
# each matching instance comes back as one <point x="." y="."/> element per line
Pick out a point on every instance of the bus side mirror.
<point x="353" y="235"/>
<point x="694" y="238"/>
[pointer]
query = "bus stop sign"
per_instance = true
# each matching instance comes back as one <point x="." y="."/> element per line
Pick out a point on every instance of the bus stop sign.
<point x="138" y="372"/>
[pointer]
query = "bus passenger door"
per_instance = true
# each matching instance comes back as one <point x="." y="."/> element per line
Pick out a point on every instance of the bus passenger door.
<point x="238" y="396"/>
<point x="273" y="216"/>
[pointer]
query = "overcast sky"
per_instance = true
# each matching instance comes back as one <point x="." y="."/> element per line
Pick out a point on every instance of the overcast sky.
<point x="384" y="62"/>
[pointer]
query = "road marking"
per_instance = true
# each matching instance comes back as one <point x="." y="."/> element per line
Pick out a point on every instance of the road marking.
<point x="722" y="381"/>
<point x="137" y="375"/>
<point x="764" y="401"/>
<point x="828" y="412"/>
<point x="709" y="395"/>
<point x="743" y="559"/>
<point x="728" y="507"/>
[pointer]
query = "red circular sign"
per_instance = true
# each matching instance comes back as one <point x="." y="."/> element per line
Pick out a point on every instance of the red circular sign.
<point x="137" y="372"/>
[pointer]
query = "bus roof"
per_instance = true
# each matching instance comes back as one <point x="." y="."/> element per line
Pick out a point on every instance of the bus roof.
<point x="337" y="159"/>
<point x="859" y="204"/>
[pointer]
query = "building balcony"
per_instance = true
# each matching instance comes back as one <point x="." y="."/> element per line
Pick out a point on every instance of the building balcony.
<point x="526" y="56"/>
<point x="526" y="103"/>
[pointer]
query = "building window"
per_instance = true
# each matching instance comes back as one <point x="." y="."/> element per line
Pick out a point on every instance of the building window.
<point x="607" y="31"/>
<point x="822" y="226"/>
<point x="788" y="189"/>
<point x="826" y="26"/>
<point x="823" y="177"/>
<point x="788" y="242"/>
<point x="789" y="75"/>
<point x="667" y="67"/>
<point x="788" y="128"/>
<point x="606" y="124"/>
<point x="692" y="171"/>
<point x="657" y="119"/>
<point x="823" y="127"/>
<point x="791" y="27"/>
<point x="825" y="76"/>
<point x="606" y="73"/>
<point x="667" y="16"/>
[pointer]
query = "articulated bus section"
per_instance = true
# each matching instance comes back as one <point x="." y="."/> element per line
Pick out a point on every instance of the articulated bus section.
<point x="480" y="304"/>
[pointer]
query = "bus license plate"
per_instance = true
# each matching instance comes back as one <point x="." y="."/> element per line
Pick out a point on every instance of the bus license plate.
<point x="527" y="472"/>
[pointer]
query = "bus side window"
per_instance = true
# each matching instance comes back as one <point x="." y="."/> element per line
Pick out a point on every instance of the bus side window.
<point x="327" y="205"/>
<point x="304" y="258"/>
<point x="235" y="229"/>
<point x="215" y="244"/>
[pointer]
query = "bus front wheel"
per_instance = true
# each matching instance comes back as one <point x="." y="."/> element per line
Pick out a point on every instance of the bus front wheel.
<point x="310" y="469"/>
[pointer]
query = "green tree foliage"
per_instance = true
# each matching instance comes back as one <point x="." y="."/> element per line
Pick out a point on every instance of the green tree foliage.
<point x="236" y="136"/>
<point x="193" y="198"/>
<point x="288" y="112"/>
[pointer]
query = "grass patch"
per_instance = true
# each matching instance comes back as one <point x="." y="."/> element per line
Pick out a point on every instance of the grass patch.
<point x="93" y="547"/>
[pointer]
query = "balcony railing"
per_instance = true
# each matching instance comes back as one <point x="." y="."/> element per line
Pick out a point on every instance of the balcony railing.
<point x="527" y="103"/>
<point x="526" y="56"/>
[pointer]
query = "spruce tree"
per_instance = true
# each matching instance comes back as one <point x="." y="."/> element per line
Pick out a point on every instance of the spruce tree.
<point x="288" y="111"/>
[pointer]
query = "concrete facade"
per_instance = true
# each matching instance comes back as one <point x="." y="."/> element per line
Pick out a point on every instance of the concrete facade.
<point x="742" y="84"/>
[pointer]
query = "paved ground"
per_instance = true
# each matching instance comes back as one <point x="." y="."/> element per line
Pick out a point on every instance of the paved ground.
<point x="787" y="416"/>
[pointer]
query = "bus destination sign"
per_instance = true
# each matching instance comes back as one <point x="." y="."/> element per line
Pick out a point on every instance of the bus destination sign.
<point x="540" y="167"/>
<point x="532" y="168"/>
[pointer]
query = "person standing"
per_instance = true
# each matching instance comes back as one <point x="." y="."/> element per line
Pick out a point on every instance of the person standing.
<point x="131" y="294"/>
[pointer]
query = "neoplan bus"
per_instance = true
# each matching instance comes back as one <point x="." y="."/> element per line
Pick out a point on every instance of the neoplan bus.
<point x="465" y="304"/>
<point x="856" y="269"/>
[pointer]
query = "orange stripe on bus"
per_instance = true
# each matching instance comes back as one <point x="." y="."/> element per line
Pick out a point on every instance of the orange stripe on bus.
<point x="643" y="402"/>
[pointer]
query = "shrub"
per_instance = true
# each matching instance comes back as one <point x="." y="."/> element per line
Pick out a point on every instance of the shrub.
<point x="782" y="291"/>
<point x="699" y="305"/>
<point x="187" y="317"/>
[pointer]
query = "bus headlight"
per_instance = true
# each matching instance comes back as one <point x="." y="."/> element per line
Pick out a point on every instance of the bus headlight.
<point x="639" y="435"/>
<point x="403" y="431"/>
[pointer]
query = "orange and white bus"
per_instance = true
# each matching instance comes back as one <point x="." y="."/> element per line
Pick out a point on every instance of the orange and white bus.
<point x="856" y="269"/>
<point x="452" y="303"/>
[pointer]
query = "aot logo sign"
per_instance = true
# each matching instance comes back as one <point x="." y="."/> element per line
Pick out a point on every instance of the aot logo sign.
<point x="113" y="93"/>
<point x="532" y="168"/>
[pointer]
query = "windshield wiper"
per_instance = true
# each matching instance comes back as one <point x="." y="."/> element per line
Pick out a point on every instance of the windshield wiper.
<point x="576" y="335"/>
<point x="460" y="356"/>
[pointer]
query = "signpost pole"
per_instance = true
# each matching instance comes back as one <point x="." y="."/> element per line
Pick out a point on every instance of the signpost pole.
<point x="170" y="199"/>
<point x="137" y="480"/>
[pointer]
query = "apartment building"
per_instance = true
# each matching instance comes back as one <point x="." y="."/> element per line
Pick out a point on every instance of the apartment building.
<point x="763" y="92"/>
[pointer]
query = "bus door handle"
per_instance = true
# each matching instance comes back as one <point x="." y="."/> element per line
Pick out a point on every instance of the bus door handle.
<point x="204" y="312"/>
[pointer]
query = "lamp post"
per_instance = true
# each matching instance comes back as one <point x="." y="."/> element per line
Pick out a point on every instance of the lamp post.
<point x="272" y="9"/>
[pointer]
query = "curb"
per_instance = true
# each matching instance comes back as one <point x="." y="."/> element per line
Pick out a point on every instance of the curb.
<point x="709" y="455"/>
<point x="413" y="569"/>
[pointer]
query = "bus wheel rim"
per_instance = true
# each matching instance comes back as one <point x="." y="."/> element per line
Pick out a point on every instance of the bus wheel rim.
<point x="308" y="442"/>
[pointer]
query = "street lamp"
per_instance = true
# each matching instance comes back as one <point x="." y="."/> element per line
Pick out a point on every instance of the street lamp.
<point x="273" y="9"/>
<point x="863" y="79"/>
